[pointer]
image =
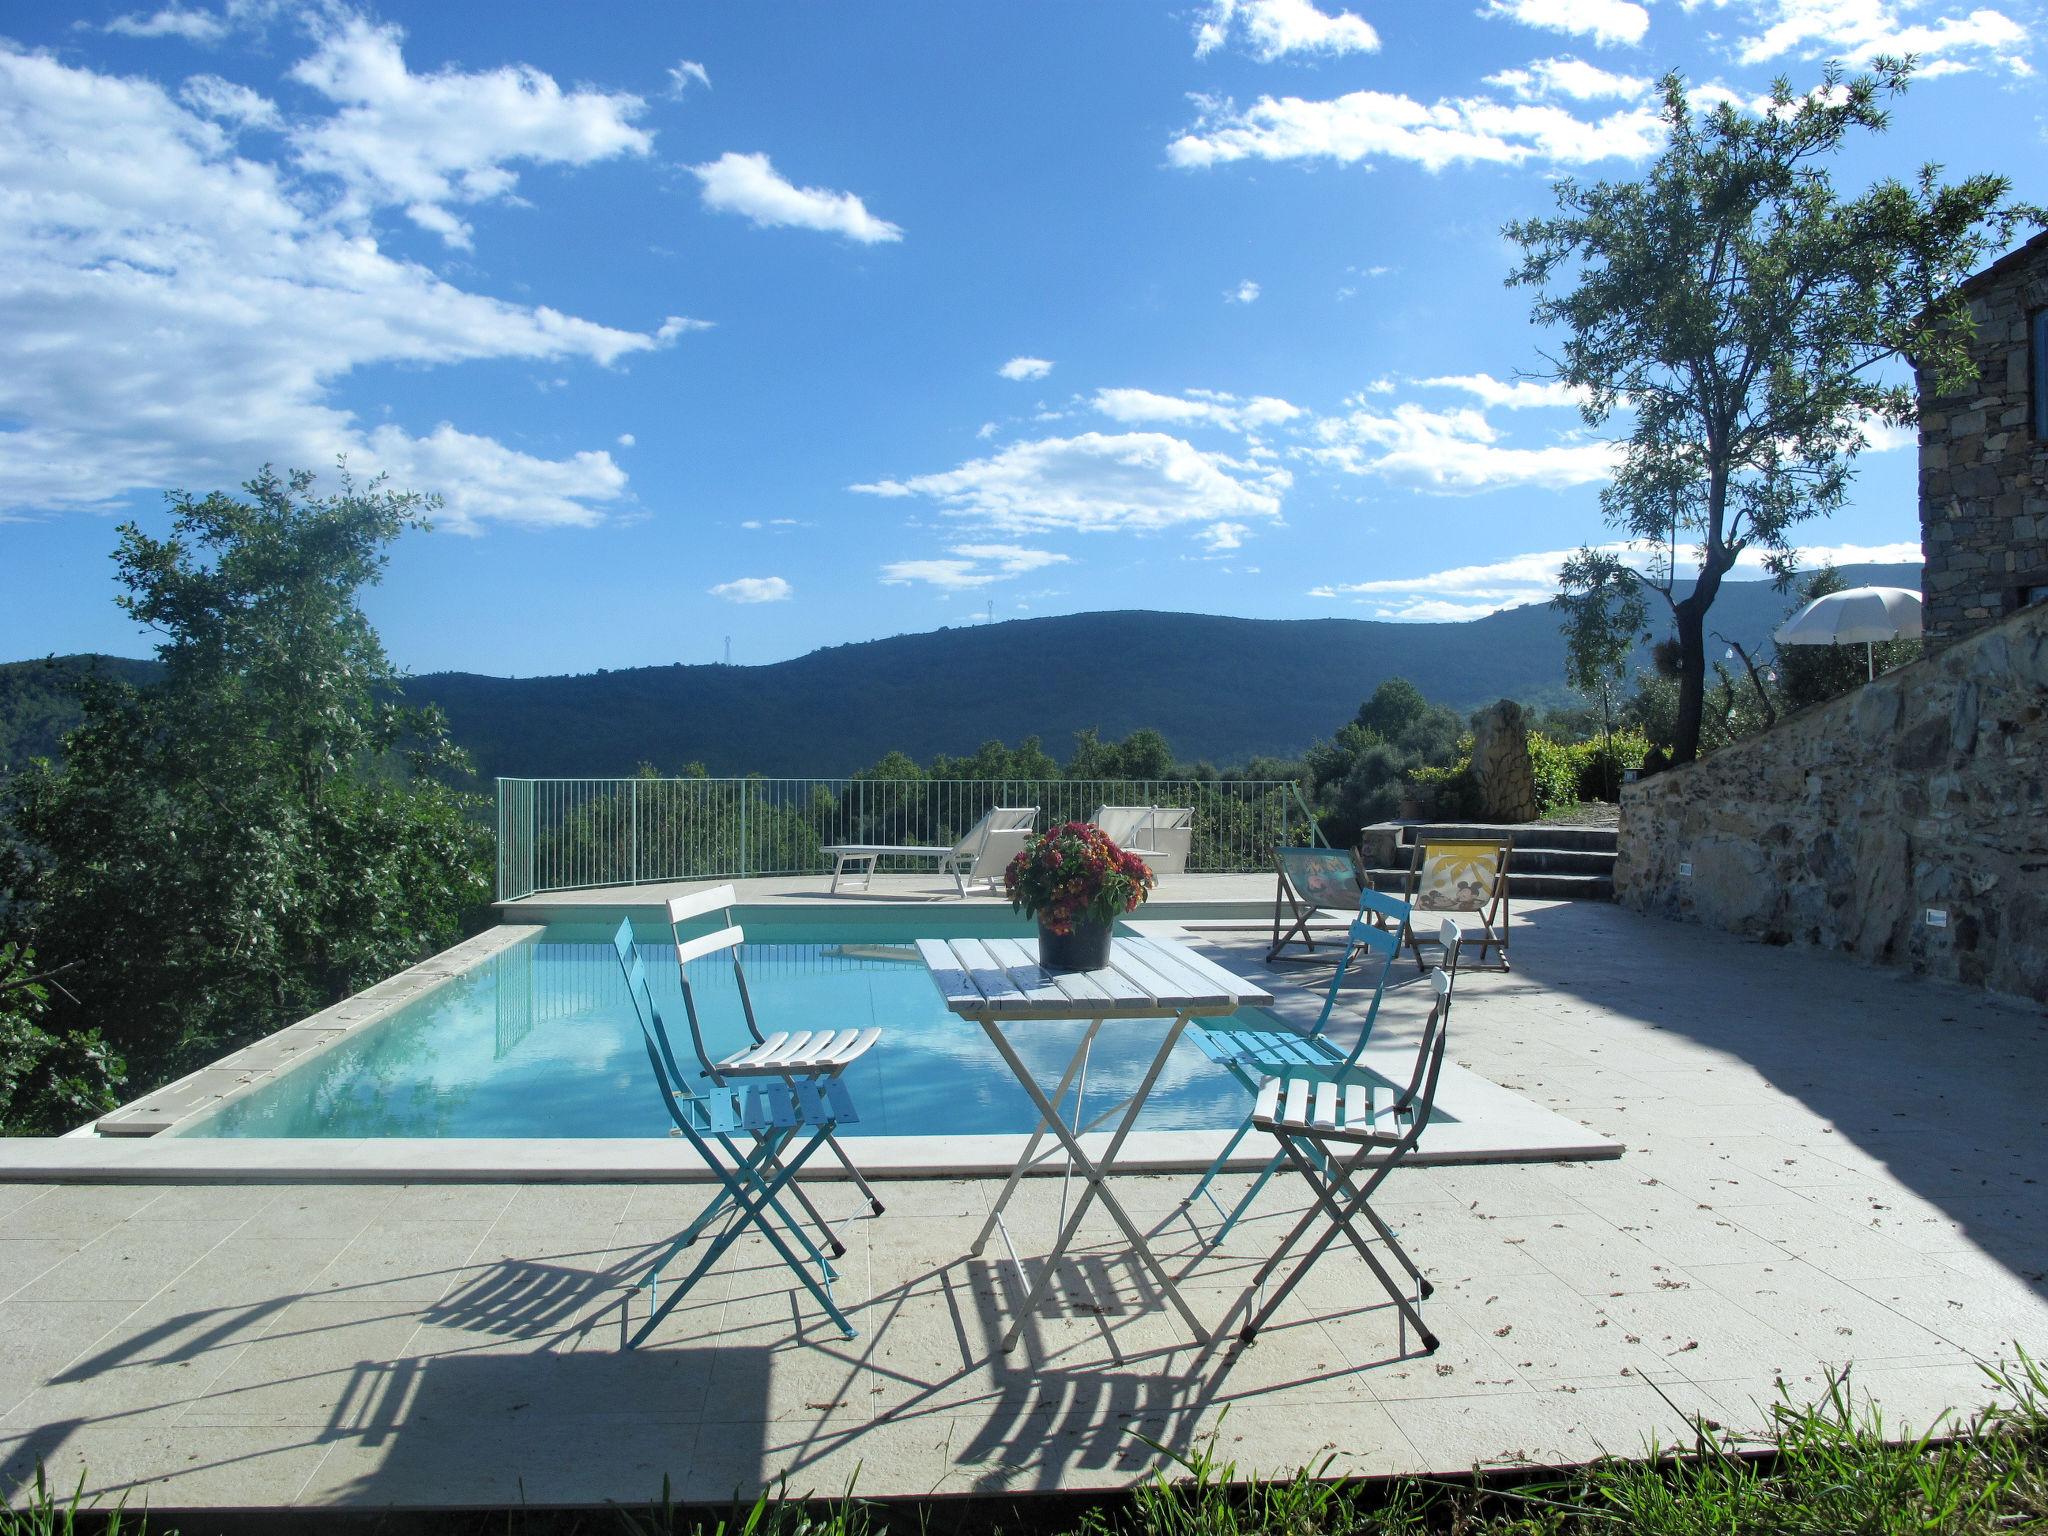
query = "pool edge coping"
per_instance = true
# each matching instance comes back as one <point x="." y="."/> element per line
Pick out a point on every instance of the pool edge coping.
<point x="200" y="1095"/>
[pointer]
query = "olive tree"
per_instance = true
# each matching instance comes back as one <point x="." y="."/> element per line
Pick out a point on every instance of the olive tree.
<point x="265" y="826"/>
<point x="1741" y="314"/>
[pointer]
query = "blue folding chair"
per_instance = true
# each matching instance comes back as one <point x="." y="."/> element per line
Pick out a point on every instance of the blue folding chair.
<point x="814" y="1054"/>
<point x="774" y="1114"/>
<point x="1252" y="1055"/>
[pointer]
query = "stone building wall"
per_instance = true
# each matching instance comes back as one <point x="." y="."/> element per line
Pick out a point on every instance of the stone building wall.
<point x="1983" y="467"/>
<point x="1927" y="788"/>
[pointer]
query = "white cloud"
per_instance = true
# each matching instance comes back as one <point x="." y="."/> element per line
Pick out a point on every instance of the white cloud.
<point x="750" y="185"/>
<point x="1515" y="395"/>
<point x="176" y="314"/>
<point x="754" y="589"/>
<point x="424" y="142"/>
<point x="1222" y="536"/>
<point x="1904" y="552"/>
<point x="1196" y="408"/>
<point x="1472" y="591"/>
<point x="1568" y="77"/>
<point x="1857" y="31"/>
<point x="1092" y="483"/>
<point x="1023" y="368"/>
<point x="971" y="565"/>
<point x="681" y="325"/>
<point x="1455" y="452"/>
<point x="1246" y="292"/>
<point x="171" y="21"/>
<point x="1605" y="21"/>
<point x="1272" y="29"/>
<point x="1367" y="125"/>
<point x="626" y="439"/>
<point x="986" y="430"/>
<point x="682" y="72"/>
<point x="214" y="97"/>
<point x="484" y="481"/>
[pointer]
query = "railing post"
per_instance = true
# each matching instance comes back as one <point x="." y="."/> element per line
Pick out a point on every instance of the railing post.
<point x="746" y="788"/>
<point x="633" y="810"/>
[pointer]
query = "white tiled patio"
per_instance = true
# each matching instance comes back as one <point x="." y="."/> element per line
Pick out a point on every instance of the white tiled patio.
<point x="1826" y="1164"/>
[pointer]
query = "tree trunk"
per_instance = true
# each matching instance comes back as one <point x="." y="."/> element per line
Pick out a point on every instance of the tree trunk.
<point x="1690" y="619"/>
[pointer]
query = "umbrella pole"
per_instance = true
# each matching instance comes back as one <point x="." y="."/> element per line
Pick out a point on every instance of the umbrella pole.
<point x="1869" y="662"/>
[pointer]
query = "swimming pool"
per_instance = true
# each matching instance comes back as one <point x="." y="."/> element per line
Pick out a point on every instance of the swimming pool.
<point x="539" y="1040"/>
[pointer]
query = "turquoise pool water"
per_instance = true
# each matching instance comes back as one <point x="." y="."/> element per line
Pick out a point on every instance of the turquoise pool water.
<point x="540" y="1040"/>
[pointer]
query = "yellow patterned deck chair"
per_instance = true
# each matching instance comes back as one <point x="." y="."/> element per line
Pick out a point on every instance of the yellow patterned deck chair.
<point x="1462" y="875"/>
<point x="1312" y="881"/>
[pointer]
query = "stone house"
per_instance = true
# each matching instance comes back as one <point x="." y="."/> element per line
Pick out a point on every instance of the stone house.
<point x="1984" y="458"/>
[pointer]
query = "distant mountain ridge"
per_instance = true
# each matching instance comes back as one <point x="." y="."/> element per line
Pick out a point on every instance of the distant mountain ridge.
<point x="1223" y="689"/>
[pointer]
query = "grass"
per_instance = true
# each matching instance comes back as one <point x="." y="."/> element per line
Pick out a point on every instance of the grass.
<point x="1830" y="1468"/>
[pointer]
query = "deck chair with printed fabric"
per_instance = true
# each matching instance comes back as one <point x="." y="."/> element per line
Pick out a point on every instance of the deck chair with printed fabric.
<point x="787" y="1120"/>
<point x="1469" y="879"/>
<point x="1315" y="885"/>
<point x="1344" y="1139"/>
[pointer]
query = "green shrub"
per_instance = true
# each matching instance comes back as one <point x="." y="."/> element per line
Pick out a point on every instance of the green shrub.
<point x="1448" y="790"/>
<point x="1604" y="763"/>
<point x="1556" y="767"/>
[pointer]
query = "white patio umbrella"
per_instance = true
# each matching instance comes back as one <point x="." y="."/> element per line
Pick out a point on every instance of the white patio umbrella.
<point x="1866" y="614"/>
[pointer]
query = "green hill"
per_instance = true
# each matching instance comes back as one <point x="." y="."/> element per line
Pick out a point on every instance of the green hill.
<point x="1219" y="688"/>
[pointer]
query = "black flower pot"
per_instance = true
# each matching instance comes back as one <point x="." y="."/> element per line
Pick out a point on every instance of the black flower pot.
<point x="1085" y="949"/>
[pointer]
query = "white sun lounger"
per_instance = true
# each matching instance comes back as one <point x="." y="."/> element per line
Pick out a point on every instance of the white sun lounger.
<point x="979" y="858"/>
<point x="1161" y="835"/>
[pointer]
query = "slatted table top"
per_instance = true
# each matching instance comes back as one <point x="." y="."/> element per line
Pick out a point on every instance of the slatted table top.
<point x="1145" y="978"/>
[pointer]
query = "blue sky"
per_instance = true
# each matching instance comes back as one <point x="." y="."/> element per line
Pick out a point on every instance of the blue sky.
<point x="810" y="324"/>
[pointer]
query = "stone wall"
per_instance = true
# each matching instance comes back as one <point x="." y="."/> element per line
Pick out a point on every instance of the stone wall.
<point x="1983" y="469"/>
<point x="1847" y="821"/>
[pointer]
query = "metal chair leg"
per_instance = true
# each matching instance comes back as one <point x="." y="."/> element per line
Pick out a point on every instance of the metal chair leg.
<point x="753" y="1206"/>
<point x="873" y="1200"/>
<point x="1216" y="1166"/>
<point x="1324" y="1187"/>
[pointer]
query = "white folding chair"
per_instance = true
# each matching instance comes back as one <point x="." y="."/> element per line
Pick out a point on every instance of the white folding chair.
<point x="1344" y="1138"/>
<point x="810" y="1055"/>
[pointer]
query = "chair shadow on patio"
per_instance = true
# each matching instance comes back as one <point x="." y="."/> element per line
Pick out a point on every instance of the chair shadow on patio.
<point x="514" y="1298"/>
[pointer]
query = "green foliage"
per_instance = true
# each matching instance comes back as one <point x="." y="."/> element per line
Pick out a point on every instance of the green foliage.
<point x="263" y="828"/>
<point x="1141" y="755"/>
<point x="1028" y="760"/>
<point x="37" y="1509"/>
<point x="1738" y="309"/>
<point x="1731" y="708"/>
<point x="1361" y="776"/>
<point x="1394" y="706"/>
<point x="1448" y="791"/>
<point x="39" y="702"/>
<point x="49" y="1082"/>
<point x="1556" y="769"/>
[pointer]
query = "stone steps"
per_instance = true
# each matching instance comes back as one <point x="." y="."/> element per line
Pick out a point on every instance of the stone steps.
<point x="1553" y="862"/>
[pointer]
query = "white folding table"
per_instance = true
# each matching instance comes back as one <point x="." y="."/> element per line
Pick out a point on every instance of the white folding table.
<point x="999" y="984"/>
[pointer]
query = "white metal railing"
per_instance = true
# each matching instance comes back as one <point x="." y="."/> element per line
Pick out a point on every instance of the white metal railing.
<point x="575" y="834"/>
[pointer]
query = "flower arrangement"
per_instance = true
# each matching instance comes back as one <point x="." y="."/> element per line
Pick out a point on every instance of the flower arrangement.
<point x="1074" y="874"/>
